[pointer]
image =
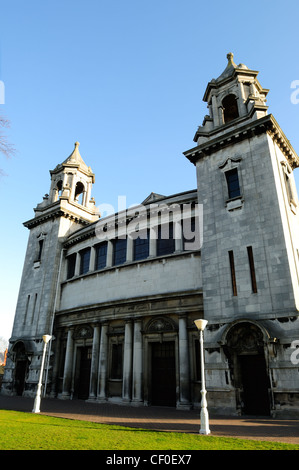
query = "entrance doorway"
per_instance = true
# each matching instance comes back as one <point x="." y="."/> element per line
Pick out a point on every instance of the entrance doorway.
<point x="245" y="350"/>
<point x="21" y="367"/>
<point x="255" y="385"/>
<point x="83" y="378"/>
<point x="163" y="374"/>
<point x="20" y="374"/>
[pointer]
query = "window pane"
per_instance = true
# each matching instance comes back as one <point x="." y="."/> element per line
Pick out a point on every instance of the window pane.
<point x="141" y="248"/>
<point x="71" y="262"/>
<point x="233" y="183"/>
<point x="165" y="242"/>
<point x="120" y="251"/>
<point x="85" y="257"/>
<point x="101" y="256"/>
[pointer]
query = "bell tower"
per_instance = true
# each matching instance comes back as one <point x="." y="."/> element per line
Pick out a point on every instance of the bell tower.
<point x="71" y="184"/>
<point x="250" y="250"/>
<point x="235" y="96"/>
<point x="66" y="208"/>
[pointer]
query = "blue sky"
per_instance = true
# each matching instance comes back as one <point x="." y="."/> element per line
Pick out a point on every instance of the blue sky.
<point x="126" y="80"/>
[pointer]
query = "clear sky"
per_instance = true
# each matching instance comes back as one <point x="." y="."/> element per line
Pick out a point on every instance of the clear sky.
<point x="126" y="79"/>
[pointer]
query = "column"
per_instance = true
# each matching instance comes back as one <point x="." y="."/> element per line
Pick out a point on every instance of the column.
<point x="77" y="265"/>
<point x="215" y="111"/>
<point x="130" y="242"/>
<point x="109" y="253"/>
<point x="137" y="381"/>
<point x="92" y="258"/>
<point x="103" y="358"/>
<point x="184" y="364"/>
<point x="94" y="363"/>
<point x="178" y="234"/>
<point x="127" y="369"/>
<point x="153" y="235"/>
<point x="68" y="365"/>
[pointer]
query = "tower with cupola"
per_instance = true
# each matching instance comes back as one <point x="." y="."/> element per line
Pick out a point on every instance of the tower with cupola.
<point x="68" y="207"/>
<point x="250" y="250"/>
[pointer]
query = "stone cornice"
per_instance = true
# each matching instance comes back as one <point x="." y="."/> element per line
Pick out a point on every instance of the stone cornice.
<point x="267" y="124"/>
<point x="53" y="214"/>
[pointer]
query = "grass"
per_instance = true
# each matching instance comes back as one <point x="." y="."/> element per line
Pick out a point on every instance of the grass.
<point x="29" y="431"/>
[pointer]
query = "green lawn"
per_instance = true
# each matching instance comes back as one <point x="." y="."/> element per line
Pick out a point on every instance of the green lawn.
<point x="29" y="431"/>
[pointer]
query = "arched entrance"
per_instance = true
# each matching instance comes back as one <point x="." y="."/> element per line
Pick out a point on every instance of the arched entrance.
<point x="21" y="367"/>
<point x="245" y="349"/>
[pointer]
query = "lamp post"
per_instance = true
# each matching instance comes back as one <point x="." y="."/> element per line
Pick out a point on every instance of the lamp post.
<point x="204" y="416"/>
<point x="36" y="407"/>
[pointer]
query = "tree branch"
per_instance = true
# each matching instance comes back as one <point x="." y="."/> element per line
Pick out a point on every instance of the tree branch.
<point x="6" y="148"/>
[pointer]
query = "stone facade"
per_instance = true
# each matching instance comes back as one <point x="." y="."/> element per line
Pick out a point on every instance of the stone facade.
<point x="121" y="308"/>
<point x="250" y="249"/>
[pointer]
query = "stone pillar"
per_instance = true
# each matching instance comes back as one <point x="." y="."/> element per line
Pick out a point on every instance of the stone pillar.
<point x="178" y="234"/>
<point x="77" y="265"/>
<point x="127" y="369"/>
<point x="215" y="111"/>
<point x="109" y="253"/>
<point x="129" y="256"/>
<point x="103" y="358"/>
<point x="94" y="363"/>
<point x="92" y="258"/>
<point x="153" y="242"/>
<point x="184" y="364"/>
<point x="68" y="365"/>
<point x="137" y="395"/>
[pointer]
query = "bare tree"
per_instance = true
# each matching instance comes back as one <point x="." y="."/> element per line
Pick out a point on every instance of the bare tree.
<point x="6" y="148"/>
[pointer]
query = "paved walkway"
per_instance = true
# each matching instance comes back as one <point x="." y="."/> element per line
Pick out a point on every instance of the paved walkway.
<point x="161" y="419"/>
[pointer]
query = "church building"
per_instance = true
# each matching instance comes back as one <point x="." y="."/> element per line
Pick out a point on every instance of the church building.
<point x="119" y="294"/>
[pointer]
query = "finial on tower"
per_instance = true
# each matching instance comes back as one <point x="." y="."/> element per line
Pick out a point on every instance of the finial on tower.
<point x="230" y="58"/>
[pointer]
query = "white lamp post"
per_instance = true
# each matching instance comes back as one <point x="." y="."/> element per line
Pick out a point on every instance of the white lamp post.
<point x="36" y="407"/>
<point x="204" y="416"/>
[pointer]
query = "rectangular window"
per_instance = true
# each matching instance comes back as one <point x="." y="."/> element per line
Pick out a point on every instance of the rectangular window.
<point x="34" y="308"/>
<point x="232" y="271"/>
<point x="84" y="261"/>
<point x="26" y="308"/>
<point x="40" y="249"/>
<point x="71" y="263"/>
<point x="252" y="269"/>
<point x="117" y="361"/>
<point x="119" y="251"/>
<point x="289" y="188"/>
<point x="165" y="241"/>
<point x="233" y="185"/>
<point x="141" y="248"/>
<point x="101" y="256"/>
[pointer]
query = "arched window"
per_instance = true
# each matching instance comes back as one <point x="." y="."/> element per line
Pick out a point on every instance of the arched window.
<point x="230" y="108"/>
<point x="57" y="191"/>
<point x="79" y="192"/>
